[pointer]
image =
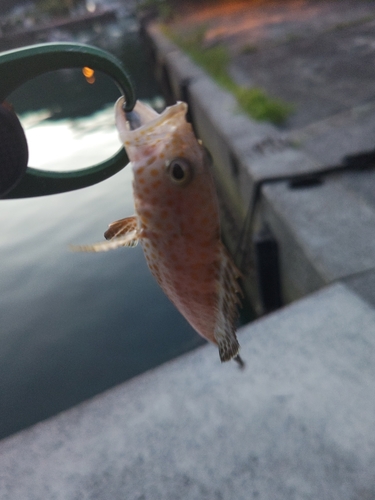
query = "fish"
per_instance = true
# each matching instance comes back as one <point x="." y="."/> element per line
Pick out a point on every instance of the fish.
<point x="177" y="222"/>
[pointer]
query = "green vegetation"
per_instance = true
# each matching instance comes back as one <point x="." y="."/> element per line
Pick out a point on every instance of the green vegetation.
<point x="256" y="103"/>
<point x="215" y="60"/>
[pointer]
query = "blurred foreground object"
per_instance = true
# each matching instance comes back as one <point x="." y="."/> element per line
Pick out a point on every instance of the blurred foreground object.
<point x="14" y="153"/>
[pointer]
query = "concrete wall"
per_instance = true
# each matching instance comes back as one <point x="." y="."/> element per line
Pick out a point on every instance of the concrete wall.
<point x="253" y="163"/>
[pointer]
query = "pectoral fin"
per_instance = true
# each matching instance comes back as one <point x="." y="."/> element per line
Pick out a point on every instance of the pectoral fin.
<point x="103" y="246"/>
<point x="121" y="228"/>
<point x="122" y="233"/>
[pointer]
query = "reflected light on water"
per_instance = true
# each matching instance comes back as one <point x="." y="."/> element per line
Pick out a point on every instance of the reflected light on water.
<point x="70" y="144"/>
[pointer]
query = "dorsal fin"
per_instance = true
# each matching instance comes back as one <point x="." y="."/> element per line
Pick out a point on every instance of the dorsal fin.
<point x="229" y="301"/>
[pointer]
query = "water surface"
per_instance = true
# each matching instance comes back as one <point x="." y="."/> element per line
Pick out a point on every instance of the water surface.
<point x="73" y="324"/>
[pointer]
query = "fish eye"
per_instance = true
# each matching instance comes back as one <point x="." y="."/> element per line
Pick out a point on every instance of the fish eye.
<point x="180" y="171"/>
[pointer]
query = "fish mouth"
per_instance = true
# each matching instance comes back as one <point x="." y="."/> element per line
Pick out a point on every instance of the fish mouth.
<point x="143" y="122"/>
<point x="133" y="119"/>
<point x="140" y="115"/>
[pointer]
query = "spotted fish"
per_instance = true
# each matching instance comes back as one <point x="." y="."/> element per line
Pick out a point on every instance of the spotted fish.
<point x="177" y="222"/>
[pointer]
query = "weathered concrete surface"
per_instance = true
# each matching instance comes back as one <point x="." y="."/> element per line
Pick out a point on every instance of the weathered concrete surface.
<point x="241" y="23"/>
<point x="329" y="140"/>
<point x="323" y="74"/>
<point x="316" y="55"/>
<point x="364" y="285"/>
<point x="297" y="424"/>
<point x="328" y="232"/>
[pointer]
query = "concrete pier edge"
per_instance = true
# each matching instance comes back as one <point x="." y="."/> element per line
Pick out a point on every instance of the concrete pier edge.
<point x="249" y="154"/>
<point x="297" y="423"/>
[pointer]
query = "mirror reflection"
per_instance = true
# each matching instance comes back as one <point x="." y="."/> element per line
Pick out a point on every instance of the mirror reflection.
<point x="68" y="118"/>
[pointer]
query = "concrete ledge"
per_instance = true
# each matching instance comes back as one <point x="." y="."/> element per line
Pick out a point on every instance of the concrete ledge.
<point x="364" y="285"/>
<point x="162" y="44"/>
<point x="297" y="423"/>
<point x="346" y="133"/>
<point x="182" y="72"/>
<point x="332" y="226"/>
<point x="323" y="233"/>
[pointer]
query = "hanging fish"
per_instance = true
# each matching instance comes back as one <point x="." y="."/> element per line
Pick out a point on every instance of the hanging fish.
<point x="177" y="222"/>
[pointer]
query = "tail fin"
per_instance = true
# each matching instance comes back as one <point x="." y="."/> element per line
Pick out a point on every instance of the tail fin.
<point x="229" y="300"/>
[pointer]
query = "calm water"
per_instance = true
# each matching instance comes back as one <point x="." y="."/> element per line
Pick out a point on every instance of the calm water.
<point x="73" y="324"/>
